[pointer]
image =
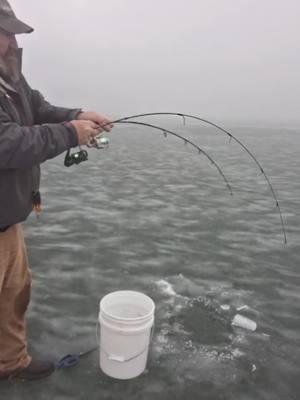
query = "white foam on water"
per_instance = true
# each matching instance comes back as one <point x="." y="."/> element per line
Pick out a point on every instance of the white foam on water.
<point x="166" y="287"/>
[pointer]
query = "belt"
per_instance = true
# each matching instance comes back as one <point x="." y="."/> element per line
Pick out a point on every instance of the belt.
<point x="4" y="228"/>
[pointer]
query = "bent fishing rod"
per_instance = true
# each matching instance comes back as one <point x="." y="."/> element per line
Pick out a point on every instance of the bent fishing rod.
<point x="101" y="142"/>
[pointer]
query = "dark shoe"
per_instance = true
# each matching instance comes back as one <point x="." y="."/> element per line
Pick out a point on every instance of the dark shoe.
<point x="37" y="369"/>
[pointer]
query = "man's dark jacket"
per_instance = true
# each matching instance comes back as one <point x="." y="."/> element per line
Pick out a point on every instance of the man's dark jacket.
<point x="31" y="132"/>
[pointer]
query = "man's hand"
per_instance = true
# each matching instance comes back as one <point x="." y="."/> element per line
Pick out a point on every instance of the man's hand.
<point x="103" y="122"/>
<point x="86" y="130"/>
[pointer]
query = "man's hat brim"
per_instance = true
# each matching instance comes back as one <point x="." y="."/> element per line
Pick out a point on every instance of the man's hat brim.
<point x="14" y="26"/>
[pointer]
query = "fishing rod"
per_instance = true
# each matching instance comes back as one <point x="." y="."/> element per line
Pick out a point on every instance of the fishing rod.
<point x="96" y="142"/>
<point x="102" y="142"/>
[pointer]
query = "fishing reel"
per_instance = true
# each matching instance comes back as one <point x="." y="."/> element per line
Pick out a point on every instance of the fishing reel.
<point x="99" y="142"/>
<point x="75" y="158"/>
<point x="82" y="155"/>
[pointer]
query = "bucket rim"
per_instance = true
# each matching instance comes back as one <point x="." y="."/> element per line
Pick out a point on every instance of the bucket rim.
<point x="127" y="319"/>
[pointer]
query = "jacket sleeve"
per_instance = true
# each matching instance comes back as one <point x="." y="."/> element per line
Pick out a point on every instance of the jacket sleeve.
<point x="45" y="112"/>
<point x="24" y="146"/>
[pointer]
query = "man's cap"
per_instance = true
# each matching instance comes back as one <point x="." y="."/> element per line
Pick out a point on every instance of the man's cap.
<point x="9" y="23"/>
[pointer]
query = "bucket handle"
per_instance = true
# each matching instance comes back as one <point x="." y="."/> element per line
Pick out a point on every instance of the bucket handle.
<point x="119" y="359"/>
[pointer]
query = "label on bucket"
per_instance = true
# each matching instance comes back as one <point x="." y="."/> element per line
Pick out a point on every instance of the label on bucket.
<point x="116" y="358"/>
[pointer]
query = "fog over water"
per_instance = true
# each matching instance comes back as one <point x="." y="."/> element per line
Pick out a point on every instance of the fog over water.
<point x="221" y="59"/>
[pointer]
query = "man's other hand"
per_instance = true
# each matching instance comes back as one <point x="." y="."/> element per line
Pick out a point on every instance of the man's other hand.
<point x="103" y="122"/>
<point x="86" y="130"/>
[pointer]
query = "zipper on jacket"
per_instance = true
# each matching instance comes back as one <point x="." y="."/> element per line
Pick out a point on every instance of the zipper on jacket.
<point x="13" y="108"/>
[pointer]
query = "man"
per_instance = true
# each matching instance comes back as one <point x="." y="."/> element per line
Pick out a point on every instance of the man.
<point x="31" y="132"/>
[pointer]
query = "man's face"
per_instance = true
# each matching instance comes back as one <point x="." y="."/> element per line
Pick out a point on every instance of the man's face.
<point x="9" y="59"/>
<point x="7" y="42"/>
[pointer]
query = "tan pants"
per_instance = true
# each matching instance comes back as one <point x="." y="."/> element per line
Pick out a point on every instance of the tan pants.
<point x="15" y="284"/>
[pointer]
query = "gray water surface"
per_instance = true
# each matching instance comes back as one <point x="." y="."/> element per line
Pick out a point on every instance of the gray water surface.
<point x="150" y="214"/>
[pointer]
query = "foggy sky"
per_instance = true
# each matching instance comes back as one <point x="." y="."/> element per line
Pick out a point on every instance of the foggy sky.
<point x="219" y="59"/>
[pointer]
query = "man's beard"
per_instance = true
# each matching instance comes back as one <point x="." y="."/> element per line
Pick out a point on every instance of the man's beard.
<point x="10" y="65"/>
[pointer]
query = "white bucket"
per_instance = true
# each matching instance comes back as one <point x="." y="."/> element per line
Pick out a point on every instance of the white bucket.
<point x="126" y="321"/>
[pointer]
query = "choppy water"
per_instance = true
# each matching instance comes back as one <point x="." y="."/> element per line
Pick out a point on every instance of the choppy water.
<point x="150" y="214"/>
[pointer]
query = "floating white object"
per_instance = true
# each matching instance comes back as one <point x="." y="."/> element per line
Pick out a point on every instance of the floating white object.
<point x="243" y="322"/>
<point x="126" y="321"/>
<point x="225" y="307"/>
<point x="245" y="307"/>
